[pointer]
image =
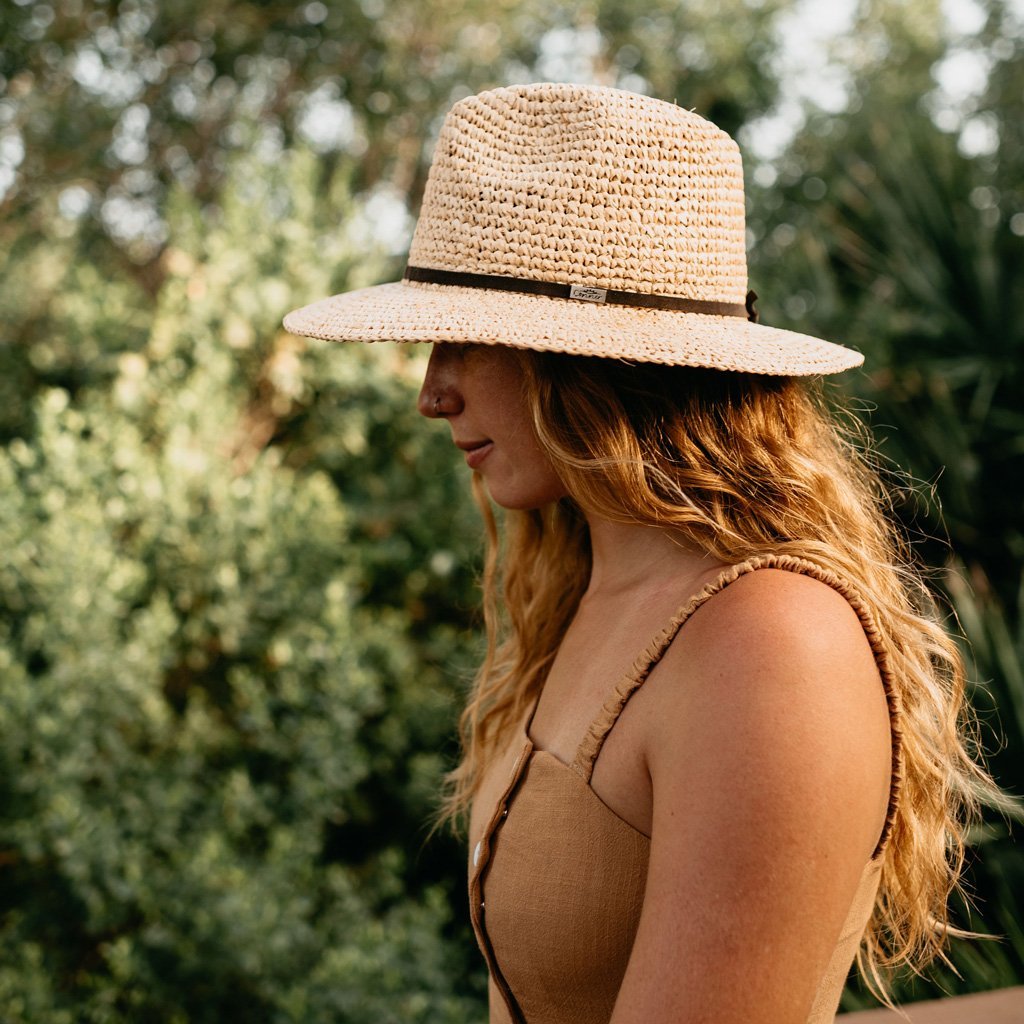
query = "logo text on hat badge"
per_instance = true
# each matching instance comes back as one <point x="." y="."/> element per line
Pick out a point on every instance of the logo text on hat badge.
<point x="584" y="294"/>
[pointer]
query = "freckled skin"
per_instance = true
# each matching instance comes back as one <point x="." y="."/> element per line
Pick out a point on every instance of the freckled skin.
<point x="479" y="390"/>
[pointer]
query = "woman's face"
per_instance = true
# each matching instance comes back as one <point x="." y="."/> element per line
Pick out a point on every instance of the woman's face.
<point x="479" y="390"/>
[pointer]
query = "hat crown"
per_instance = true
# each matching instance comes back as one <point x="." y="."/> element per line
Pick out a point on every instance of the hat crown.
<point x="586" y="185"/>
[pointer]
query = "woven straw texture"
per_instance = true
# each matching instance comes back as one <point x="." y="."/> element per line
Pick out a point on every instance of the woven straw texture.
<point x="579" y="185"/>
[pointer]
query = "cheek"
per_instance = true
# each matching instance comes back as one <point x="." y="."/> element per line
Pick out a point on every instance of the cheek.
<point x="540" y="482"/>
<point x="519" y="475"/>
<point x="524" y="478"/>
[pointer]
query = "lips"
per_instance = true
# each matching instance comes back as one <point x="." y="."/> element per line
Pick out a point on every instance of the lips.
<point x="476" y="451"/>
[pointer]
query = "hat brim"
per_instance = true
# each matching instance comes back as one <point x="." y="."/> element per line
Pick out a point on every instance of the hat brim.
<point x="407" y="311"/>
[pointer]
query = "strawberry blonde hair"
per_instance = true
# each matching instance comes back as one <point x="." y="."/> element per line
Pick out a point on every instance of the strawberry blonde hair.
<point x="736" y="465"/>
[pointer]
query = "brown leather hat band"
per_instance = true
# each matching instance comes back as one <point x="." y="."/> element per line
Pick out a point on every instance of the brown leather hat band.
<point x="583" y="293"/>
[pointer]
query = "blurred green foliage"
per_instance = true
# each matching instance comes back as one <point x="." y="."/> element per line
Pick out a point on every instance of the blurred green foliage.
<point x="222" y="673"/>
<point x="237" y="573"/>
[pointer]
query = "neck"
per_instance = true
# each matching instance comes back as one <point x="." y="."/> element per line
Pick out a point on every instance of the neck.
<point x="628" y="557"/>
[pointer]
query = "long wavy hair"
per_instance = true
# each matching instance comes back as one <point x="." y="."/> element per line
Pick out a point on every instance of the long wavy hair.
<point x="737" y="465"/>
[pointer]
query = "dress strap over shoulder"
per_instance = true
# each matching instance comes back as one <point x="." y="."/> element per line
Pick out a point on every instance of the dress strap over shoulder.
<point x="593" y="741"/>
<point x="591" y="744"/>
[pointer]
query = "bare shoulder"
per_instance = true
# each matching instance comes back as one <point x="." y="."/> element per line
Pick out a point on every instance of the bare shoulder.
<point x="775" y="612"/>
<point x="781" y="657"/>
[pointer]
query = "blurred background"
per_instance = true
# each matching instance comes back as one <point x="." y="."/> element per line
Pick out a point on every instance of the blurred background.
<point x="237" y="572"/>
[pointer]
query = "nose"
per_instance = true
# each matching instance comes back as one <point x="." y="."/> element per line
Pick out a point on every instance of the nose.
<point x="440" y="396"/>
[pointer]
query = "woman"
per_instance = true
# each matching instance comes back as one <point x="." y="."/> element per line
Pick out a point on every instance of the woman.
<point x="712" y="753"/>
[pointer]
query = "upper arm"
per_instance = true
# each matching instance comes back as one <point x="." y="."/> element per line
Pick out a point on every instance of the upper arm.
<point x="769" y="762"/>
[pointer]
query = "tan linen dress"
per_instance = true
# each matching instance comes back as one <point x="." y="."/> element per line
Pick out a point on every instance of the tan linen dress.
<point x="557" y="878"/>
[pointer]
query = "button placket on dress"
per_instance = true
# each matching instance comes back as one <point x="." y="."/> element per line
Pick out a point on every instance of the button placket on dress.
<point x="481" y="862"/>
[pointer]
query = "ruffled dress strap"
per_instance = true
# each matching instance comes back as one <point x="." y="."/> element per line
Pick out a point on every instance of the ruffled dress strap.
<point x="592" y="742"/>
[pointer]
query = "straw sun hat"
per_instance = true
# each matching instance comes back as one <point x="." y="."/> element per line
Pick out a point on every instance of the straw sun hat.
<point x="579" y="219"/>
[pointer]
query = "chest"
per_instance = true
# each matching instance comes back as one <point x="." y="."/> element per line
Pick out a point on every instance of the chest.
<point x="601" y="649"/>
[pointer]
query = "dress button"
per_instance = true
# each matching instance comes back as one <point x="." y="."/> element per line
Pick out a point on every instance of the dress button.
<point x="504" y="813"/>
<point x="476" y="853"/>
